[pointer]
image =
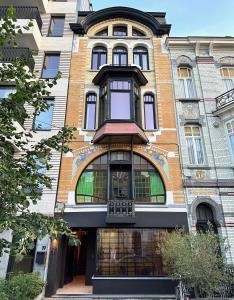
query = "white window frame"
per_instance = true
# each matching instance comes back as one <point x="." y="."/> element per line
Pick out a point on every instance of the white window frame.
<point x="228" y="81"/>
<point x="185" y="92"/>
<point x="229" y="134"/>
<point x="191" y="141"/>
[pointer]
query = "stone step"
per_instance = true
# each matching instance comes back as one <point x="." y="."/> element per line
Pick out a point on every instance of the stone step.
<point x="111" y="297"/>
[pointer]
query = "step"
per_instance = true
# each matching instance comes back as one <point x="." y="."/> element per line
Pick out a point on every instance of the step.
<point x="111" y="297"/>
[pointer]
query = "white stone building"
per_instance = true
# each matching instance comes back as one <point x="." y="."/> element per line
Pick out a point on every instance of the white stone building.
<point x="203" y="75"/>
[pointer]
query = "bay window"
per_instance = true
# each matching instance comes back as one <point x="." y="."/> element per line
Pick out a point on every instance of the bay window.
<point x="195" y="145"/>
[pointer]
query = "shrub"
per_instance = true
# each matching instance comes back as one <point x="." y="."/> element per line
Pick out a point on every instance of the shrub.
<point x="23" y="286"/>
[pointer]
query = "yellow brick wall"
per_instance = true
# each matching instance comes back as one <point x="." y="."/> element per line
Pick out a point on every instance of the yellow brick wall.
<point x="159" y="81"/>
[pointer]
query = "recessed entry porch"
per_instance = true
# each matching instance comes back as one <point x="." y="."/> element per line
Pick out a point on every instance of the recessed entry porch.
<point x="111" y="261"/>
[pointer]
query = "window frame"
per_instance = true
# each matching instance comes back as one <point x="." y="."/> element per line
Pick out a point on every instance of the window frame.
<point x="185" y="83"/>
<point x="141" y="54"/>
<point x="49" y="54"/>
<point x="115" y="27"/>
<point x="99" y="54"/>
<point x="227" y="78"/>
<point x="194" y="147"/>
<point x="119" y="54"/>
<point x="229" y="134"/>
<point x="127" y="163"/>
<point x="136" y="30"/>
<point x="49" y="34"/>
<point x="154" y="111"/>
<point x="52" y="100"/>
<point x="86" y="108"/>
<point x="99" y="33"/>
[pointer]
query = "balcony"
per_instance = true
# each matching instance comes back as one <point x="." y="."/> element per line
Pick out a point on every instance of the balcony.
<point x="40" y="4"/>
<point x="225" y="99"/>
<point x="120" y="211"/>
<point x="30" y="38"/>
<point x="8" y="55"/>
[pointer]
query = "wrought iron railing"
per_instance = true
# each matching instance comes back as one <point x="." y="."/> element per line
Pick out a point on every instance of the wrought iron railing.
<point x="8" y="55"/>
<point x="225" y="99"/>
<point x="121" y="208"/>
<point x="24" y="12"/>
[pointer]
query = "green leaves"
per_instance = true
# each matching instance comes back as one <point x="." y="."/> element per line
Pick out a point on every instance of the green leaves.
<point x="196" y="257"/>
<point x="21" y="176"/>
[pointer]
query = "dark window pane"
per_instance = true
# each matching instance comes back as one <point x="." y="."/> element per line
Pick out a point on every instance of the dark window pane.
<point x="120" y="31"/>
<point x="56" y="26"/>
<point x="149" y="116"/>
<point x="130" y="252"/>
<point x="51" y="66"/>
<point x="103" y="32"/>
<point x="43" y="121"/>
<point x="99" y="57"/>
<point x="120" y="106"/>
<point x="136" y="32"/>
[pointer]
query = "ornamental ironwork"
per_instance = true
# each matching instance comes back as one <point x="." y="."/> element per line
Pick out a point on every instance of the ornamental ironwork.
<point x="225" y="99"/>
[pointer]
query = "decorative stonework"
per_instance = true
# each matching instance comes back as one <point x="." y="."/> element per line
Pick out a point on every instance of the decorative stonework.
<point x="184" y="60"/>
<point x="228" y="60"/>
<point x="190" y="110"/>
<point x="82" y="154"/>
<point x="217" y="209"/>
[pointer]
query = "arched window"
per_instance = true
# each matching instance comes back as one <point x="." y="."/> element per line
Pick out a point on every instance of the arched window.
<point x="140" y="57"/>
<point x="90" y="112"/>
<point x="186" y="84"/>
<point x="120" y="56"/>
<point x="205" y="217"/>
<point x="103" y="32"/>
<point x="137" y="32"/>
<point x="149" y="109"/>
<point x="227" y="74"/>
<point x="99" y="57"/>
<point x="130" y="177"/>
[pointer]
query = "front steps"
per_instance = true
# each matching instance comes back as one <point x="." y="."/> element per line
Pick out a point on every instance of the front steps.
<point x="111" y="297"/>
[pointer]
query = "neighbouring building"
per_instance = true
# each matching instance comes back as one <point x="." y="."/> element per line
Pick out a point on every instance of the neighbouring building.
<point x="120" y="189"/>
<point x="203" y="75"/>
<point x="50" y="39"/>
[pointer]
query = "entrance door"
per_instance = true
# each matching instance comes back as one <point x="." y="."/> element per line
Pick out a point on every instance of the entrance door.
<point x="120" y="183"/>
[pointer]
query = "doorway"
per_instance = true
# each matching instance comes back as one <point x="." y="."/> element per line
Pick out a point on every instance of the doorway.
<point x="76" y="267"/>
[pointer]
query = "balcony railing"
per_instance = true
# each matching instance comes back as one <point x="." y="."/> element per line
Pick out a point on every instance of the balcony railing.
<point x="121" y="208"/>
<point x="8" y="55"/>
<point x="225" y="99"/>
<point x="24" y="12"/>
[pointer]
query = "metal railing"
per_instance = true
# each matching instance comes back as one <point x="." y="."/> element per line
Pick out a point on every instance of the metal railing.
<point x="8" y="55"/>
<point x="121" y="208"/>
<point x="225" y="99"/>
<point x="24" y="12"/>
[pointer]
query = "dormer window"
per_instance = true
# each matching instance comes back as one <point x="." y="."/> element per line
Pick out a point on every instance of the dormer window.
<point x="120" y="31"/>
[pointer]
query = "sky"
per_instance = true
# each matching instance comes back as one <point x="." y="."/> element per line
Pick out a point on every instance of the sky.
<point x="188" y="17"/>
